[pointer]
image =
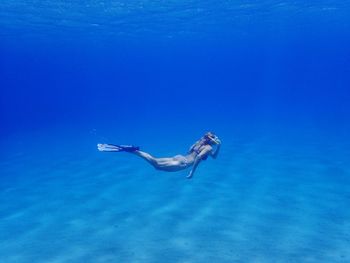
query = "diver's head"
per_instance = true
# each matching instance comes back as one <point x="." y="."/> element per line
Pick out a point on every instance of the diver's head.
<point x="211" y="138"/>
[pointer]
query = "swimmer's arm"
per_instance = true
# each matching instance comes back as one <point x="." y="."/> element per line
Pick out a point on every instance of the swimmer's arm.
<point x="215" y="154"/>
<point x="195" y="164"/>
<point x="198" y="159"/>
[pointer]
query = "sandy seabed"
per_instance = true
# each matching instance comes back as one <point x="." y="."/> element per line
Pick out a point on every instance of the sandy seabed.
<point x="266" y="202"/>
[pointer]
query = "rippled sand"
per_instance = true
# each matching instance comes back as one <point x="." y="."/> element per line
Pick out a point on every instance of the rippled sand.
<point x="266" y="202"/>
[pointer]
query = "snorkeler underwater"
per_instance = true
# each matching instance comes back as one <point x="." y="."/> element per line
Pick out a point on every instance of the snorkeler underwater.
<point x="174" y="131"/>
<point x="198" y="152"/>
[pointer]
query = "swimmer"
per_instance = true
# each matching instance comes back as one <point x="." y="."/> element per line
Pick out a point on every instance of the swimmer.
<point x="199" y="151"/>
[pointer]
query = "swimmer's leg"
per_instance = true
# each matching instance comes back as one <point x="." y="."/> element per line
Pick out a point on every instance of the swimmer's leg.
<point x="168" y="164"/>
<point x="147" y="157"/>
<point x="131" y="149"/>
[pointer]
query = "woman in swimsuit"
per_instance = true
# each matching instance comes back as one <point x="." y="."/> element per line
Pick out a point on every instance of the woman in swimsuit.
<point x="198" y="151"/>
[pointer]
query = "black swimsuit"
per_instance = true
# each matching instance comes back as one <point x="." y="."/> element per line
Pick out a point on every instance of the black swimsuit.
<point x="197" y="151"/>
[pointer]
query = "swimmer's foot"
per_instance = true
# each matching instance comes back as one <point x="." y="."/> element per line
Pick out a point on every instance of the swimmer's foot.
<point x="116" y="148"/>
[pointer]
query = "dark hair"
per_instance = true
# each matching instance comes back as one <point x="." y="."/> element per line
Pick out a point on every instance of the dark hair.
<point x="209" y="137"/>
<point x="211" y="134"/>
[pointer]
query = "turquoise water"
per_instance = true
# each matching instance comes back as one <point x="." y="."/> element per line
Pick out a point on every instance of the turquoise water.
<point x="270" y="78"/>
<point x="266" y="199"/>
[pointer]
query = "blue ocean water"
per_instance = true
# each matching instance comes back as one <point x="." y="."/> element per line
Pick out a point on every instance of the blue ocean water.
<point x="270" y="78"/>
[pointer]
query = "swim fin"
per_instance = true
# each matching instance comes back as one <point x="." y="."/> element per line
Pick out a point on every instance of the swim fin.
<point x="116" y="148"/>
<point x="128" y="148"/>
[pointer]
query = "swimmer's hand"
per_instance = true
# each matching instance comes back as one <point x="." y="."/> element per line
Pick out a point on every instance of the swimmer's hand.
<point x="196" y="162"/>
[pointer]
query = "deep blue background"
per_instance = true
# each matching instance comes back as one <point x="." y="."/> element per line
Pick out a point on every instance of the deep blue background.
<point x="271" y="78"/>
<point x="196" y="64"/>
